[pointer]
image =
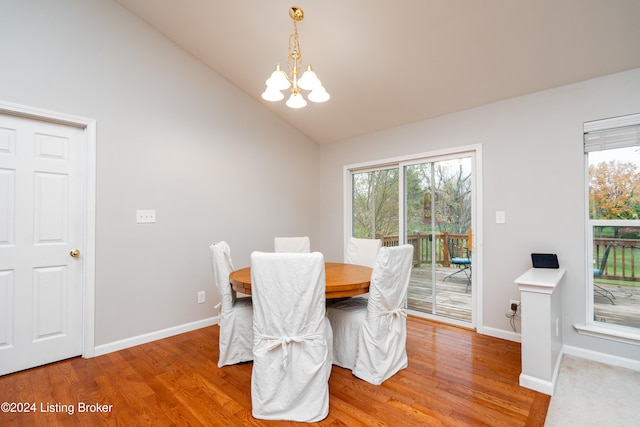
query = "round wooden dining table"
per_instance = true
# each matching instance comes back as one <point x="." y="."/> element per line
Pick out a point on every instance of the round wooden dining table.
<point x="343" y="280"/>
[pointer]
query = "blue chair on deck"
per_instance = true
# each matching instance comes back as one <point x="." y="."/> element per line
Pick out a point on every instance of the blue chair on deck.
<point x="463" y="263"/>
<point x="598" y="272"/>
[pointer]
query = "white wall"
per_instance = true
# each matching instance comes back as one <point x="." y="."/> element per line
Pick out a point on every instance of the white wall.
<point x="175" y="137"/>
<point x="171" y="136"/>
<point x="533" y="169"/>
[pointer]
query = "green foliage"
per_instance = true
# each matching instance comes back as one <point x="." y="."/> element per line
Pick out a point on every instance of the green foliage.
<point x="614" y="190"/>
<point x="437" y="194"/>
<point x="375" y="203"/>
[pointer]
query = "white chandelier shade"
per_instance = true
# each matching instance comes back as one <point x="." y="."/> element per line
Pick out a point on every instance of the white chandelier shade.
<point x="278" y="80"/>
<point x="319" y="95"/>
<point x="296" y="101"/>
<point x="272" y="94"/>
<point x="309" y="81"/>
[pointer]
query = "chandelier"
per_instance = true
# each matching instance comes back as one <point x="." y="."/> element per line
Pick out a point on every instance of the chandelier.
<point x="280" y="81"/>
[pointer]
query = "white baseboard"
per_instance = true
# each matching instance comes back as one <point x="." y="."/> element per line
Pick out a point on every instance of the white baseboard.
<point x="542" y="385"/>
<point x="153" y="336"/>
<point x="537" y="384"/>
<point x="602" y="357"/>
<point x="501" y="333"/>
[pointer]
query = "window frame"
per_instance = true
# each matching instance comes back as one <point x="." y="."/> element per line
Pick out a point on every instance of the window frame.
<point x="591" y="327"/>
<point x="475" y="152"/>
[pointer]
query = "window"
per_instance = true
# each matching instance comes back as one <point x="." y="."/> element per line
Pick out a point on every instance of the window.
<point x="612" y="149"/>
<point x="375" y="203"/>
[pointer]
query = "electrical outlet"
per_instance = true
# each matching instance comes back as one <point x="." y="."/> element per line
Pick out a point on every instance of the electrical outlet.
<point x="145" y="216"/>
<point x="201" y="297"/>
<point x="514" y="305"/>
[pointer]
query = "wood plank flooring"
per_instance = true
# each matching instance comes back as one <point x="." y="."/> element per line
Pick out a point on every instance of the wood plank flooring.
<point x="455" y="378"/>
<point x="625" y="311"/>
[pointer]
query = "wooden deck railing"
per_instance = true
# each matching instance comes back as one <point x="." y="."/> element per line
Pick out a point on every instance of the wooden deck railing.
<point x="422" y="248"/>
<point x="623" y="262"/>
<point x="624" y="258"/>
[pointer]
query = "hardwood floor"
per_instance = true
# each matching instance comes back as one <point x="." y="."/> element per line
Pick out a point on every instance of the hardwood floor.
<point x="455" y="378"/>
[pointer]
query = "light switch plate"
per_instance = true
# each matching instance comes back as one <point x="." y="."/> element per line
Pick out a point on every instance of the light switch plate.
<point x="500" y="217"/>
<point x="145" y="216"/>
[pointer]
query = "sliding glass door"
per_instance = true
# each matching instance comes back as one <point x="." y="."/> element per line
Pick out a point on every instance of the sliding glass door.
<point x="429" y="203"/>
<point x="438" y="218"/>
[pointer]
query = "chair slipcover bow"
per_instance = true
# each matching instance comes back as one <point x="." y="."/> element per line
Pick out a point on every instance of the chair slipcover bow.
<point x="292" y="351"/>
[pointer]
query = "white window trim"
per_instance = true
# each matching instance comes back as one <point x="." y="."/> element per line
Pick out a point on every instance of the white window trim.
<point x="592" y="328"/>
<point x="610" y="332"/>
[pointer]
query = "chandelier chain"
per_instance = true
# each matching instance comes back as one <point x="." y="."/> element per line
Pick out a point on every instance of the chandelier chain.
<point x="294" y="58"/>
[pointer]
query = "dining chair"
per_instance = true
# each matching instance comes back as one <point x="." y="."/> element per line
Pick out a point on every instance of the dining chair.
<point x="369" y="335"/>
<point x="292" y="350"/>
<point x="460" y="260"/>
<point x="235" y="314"/>
<point x="362" y="251"/>
<point x="292" y="244"/>
<point x="598" y="272"/>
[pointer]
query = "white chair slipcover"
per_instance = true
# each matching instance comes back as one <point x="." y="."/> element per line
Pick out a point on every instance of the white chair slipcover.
<point x="362" y="251"/>
<point x="369" y="335"/>
<point x="292" y="337"/>
<point x="235" y="314"/>
<point x="292" y="244"/>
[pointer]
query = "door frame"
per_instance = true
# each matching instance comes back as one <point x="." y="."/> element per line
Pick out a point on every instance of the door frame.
<point x="88" y="202"/>
<point x="477" y="221"/>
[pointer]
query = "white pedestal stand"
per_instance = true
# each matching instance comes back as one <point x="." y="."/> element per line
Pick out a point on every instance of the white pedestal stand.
<point x="541" y="308"/>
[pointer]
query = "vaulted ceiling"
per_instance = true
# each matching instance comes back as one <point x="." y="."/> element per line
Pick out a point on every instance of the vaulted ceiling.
<point x="389" y="63"/>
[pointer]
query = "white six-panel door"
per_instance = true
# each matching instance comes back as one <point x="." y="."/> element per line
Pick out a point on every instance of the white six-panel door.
<point x="41" y="224"/>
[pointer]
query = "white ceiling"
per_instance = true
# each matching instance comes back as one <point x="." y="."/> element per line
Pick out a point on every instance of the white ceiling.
<point x="388" y="63"/>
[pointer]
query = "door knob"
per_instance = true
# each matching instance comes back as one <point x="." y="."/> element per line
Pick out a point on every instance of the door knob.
<point x="74" y="253"/>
